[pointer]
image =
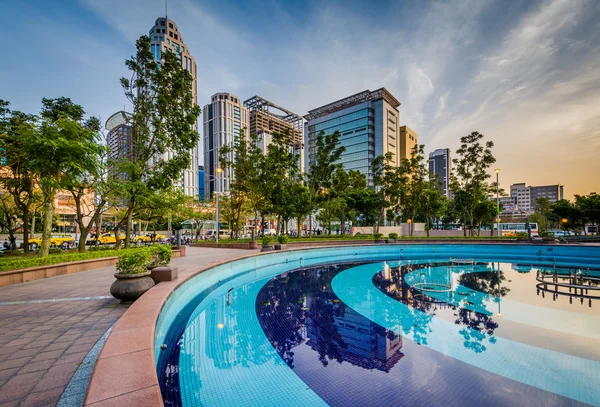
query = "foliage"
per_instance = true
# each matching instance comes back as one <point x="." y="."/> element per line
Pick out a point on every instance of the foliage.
<point x="62" y="257"/>
<point x="266" y="240"/>
<point x="393" y="236"/>
<point x="161" y="255"/>
<point x="470" y="177"/>
<point x="522" y="235"/>
<point x="283" y="239"/>
<point x="377" y="236"/>
<point x="134" y="262"/>
<point x="163" y="120"/>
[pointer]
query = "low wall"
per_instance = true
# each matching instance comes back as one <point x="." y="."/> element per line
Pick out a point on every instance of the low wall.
<point x="10" y="277"/>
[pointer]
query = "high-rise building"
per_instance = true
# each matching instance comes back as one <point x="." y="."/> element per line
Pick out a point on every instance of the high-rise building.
<point x="526" y="196"/>
<point x="408" y="140"/>
<point x="440" y="167"/>
<point x="201" y="182"/>
<point x="119" y="138"/>
<point x="224" y="119"/>
<point x="267" y="118"/>
<point x="164" y="36"/>
<point x="368" y="126"/>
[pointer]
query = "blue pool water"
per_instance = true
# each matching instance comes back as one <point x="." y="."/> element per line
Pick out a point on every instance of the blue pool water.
<point x="387" y="325"/>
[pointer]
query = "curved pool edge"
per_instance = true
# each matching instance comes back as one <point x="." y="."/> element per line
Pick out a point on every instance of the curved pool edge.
<point x="126" y="369"/>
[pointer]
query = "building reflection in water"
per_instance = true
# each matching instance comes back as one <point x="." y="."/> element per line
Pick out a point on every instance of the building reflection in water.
<point x="301" y="308"/>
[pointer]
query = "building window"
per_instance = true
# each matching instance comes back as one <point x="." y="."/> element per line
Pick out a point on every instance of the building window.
<point x="175" y="36"/>
<point x="170" y="25"/>
<point x="162" y="23"/>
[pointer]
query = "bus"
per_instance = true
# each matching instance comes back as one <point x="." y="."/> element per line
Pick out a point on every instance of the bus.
<point x="511" y="229"/>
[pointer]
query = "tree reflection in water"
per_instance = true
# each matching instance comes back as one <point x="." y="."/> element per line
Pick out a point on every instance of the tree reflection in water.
<point x="300" y="308"/>
<point x="479" y="328"/>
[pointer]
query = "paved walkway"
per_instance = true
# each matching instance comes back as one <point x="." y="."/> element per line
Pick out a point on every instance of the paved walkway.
<point x="47" y="327"/>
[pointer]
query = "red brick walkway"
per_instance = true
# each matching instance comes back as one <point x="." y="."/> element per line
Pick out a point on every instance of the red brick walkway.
<point x="43" y="344"/>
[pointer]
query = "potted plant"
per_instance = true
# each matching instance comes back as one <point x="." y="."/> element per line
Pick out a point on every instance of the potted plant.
<point x="132" y="276"/>
<point x="378" y="237"/>
<point x="282" y="240"/>
<point x="159" y="264"/>
<point x="393" y="236"/>
<point x="266" y="244"/>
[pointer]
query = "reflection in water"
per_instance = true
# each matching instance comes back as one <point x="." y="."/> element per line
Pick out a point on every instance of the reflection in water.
<point x="300" y="308"/>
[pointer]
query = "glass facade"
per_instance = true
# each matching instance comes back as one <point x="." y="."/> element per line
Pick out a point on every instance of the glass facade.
<point x="356" y="134"/>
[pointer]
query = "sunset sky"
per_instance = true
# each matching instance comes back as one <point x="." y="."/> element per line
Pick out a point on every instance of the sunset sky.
<point x="526" y="74"/>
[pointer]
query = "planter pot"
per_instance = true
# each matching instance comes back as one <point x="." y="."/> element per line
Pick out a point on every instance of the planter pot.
<point x="253" y="245"/>
<point x="267" y="248"/>
<point x="380" y="241"/>
<point x="130" y="287"/>
<point x="181" y="250"/>
<point x="163" y="273"/>
<point x="280" y="246"/>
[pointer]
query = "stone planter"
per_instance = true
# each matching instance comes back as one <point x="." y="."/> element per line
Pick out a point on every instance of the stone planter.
<point x="253" y="245"/>
<point x="130" y="287"/>
<point x="267" y="248"/>
<point x="279" y="246"/>
<point x="163" y="273"/>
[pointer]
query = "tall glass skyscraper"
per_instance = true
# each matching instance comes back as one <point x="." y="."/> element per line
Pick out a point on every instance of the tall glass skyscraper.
<point x="368" y="126"/>
<point x="165" y="36"/>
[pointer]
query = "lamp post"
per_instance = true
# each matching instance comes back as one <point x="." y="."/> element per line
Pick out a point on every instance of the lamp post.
<point x="409" y="221"/>
<point x="218" y="171"/>
<point x="497" y="202"/>
<point x="564" y="222"/>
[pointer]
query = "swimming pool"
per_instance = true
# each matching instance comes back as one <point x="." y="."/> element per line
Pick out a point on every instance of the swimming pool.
<point x="387" y="325"/>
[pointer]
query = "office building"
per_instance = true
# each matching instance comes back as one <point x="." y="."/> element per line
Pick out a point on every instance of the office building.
<point x="368" y="123"/>
<point x="164" y="36"/>
<point x="224" y="119"/>
<point x="201" y="182"/>
<point x="408" y="140"/>
<point x="267" y="118"/>
<point x="440" y="167"/>
<point x="526" y="196"/>
<point x="119" y="139"/>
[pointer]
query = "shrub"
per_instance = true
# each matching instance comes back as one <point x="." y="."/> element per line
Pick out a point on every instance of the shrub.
<point x="100" y="248"/>
<point x="266" y="240"/>
<point x="134" y="262"/>
<point x="54" y="250"/>
<point x="378" y="236"/>
<point x="547" y="235"/>
<point x="522" y="235"/>
<point x="161" y="255"/>
<point x="283" y="239"/>
<point x="393" y="235"/>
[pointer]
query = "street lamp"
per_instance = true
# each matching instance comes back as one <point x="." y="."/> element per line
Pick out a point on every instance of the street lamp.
<point x="564" y="222"/>
<point x="497" y="202"/>
<point x="218" y="171"/>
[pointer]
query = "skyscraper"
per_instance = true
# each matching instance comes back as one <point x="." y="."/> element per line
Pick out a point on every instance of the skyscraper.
<point x="526" y="196"/>
<point x="408" y="139"/>
<point x="267" y="118"/>
<point x="368" y="126"/>
<point x="224" y="118"/>
<point x="440" y="167"/>
<point x="164" y="35"/>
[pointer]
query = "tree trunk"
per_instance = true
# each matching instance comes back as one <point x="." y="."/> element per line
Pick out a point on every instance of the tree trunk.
<point x="128" y="229"/>
<point x="26" y="231"/>
<point x="47" y="224"/>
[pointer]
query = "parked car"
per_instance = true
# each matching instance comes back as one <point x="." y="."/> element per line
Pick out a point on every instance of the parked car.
<point x="145" y="238"/>
<point x="64" y="241"/>
<point x="109" y="238"/>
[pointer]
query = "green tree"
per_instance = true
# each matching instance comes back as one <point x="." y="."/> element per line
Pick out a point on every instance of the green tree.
<point x="470" y="176"/>
<point x="16" y="175"/>
<point x="433" y="204"/>
<point x="542" y="209"/>
<point x="327" y="154"/>
<point x="163" y="121"/>
<point x="57" y="146"/>
<point x="589" y="206"/>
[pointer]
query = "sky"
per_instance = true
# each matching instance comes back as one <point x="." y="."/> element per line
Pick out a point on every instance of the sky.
<point x="526" y="74"/>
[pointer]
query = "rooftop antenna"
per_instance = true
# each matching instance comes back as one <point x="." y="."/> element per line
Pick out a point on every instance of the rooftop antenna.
<point x="166" y="9"/>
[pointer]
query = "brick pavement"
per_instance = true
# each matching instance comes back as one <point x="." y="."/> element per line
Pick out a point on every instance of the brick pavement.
<point x="42" y="344"/>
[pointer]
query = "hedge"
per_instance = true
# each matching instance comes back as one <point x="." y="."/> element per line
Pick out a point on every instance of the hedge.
<point x="60" y="258"/>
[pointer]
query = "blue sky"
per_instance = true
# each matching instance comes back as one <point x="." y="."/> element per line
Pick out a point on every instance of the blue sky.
<point x="524" y="73"/>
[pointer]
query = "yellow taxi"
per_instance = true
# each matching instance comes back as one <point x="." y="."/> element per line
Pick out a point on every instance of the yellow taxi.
<point x="148" y="238"/>
<point x="109" y="238"/>
<point x="56" y="240"/>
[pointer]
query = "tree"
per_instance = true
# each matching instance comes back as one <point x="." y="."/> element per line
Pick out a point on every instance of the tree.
<point x="327" y="155"/>
<point x="433" y="204"/>
<point x="470" y="176"/>
<point x="163" y="120"/>
<point x="563" y="209"/>
<point x="589" y="207"/>
<point x="57" y="146"/>
<point x="9" y="217"/>
<point x="16" y="175"/>
<point x="542" y="209"/>
<point x="90" y="190"/>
